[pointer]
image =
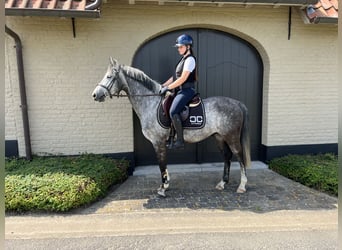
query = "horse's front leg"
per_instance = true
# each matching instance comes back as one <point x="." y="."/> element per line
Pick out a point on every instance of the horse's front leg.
<point x="225" y="177"/>
<point x="160" y="149"/>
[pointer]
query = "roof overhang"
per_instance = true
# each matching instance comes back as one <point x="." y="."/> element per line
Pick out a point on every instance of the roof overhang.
<point x="54" y="8"/>
<point x="52" y="13"/>
<point x="224" y="2"/>
<point x="270" y="2"/>
<point x="322" y="12"/>
<point x="318" y="20"/>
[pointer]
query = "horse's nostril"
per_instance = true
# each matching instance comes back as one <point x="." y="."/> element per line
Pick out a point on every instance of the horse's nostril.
<point x="94" y="95"/>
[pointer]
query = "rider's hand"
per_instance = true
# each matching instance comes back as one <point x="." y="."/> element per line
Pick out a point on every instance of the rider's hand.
<point x="163" y="90"/>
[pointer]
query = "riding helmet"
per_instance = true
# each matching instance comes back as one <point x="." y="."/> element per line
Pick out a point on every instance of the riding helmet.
<point x="183" y="40"/>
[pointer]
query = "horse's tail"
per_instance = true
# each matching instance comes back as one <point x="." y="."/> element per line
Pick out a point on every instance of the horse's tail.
<point x="244" y="137"/>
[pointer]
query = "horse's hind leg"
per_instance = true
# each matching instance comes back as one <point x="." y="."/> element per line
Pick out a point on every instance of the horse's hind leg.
<point x="242" y="186"/>
<point x="227" y="154"/>
<point x="160" y="150"/>
<point x="236" y="148"/>
<point x="243" y="182"/>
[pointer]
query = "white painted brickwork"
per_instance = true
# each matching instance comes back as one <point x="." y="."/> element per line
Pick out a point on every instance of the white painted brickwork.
<point x="13" y="121"/>
<point x="300" y="80"/>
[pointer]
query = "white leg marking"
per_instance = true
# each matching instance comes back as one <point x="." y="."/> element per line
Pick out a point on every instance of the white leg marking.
<point x="242" y="187"/>
<point x="161" y="191"/>
<point x="164" y="186"/>
<point x="167" y="183"/>
<point x="220" y="185"/>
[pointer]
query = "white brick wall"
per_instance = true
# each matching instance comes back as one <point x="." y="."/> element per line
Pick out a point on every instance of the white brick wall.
<point x="13" y="121"/>
<point x="300" y="81"/>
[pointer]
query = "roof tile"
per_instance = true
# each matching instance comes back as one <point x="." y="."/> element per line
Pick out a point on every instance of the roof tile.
<point x="326" y="4"/>
<point x="48" y="4"/>
<point x="323" y="8"/>
<point x="335" y="4"/>
<point x="53" y="7"/>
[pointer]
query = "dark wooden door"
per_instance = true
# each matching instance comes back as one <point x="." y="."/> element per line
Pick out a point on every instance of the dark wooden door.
<point x="227" y="66"/>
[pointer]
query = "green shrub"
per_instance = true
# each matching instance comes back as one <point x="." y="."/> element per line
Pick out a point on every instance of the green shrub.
<point x="315" y="171"/>
<point x="60" y="183"/>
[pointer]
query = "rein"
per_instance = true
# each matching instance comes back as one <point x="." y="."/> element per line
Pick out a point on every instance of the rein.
<point x="125" y="95"/>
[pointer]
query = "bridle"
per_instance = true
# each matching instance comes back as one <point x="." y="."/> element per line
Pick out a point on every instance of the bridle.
<point x="112" y="77"/>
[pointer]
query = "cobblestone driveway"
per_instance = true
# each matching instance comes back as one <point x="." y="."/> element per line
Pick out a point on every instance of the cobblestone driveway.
<point x="195" y="189"/>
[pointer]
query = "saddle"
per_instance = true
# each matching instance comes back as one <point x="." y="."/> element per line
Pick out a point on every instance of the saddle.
<point x="193" y="115"/>
<point x="166" y="103"/>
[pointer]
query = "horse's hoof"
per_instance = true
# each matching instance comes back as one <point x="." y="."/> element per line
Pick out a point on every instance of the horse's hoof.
<point x="220" y="185"/>
<point x="241" y="190"/>
<point x="161" y="192"/>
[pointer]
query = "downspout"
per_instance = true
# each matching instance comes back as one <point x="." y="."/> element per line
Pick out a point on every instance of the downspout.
<point x="22" y="88"/>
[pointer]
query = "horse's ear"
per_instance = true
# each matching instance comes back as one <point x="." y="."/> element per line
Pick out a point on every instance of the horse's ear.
<point x="113" y="62"/>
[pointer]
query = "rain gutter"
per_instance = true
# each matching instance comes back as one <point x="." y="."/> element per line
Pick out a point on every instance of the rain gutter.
<point x="248" y="2"/>
<point x="22" y="89"/>
<point x="52" y="12"/>
<point x="325" y="20"/>
<point x="278" y="2"/>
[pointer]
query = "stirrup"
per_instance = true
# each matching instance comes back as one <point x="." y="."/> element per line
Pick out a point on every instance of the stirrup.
<point x="169" y="142"/>
<point x="177" y="145"/>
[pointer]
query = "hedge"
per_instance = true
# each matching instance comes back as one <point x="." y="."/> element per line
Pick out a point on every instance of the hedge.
<point x="59" y="184"/>
<point x="315" y="171"/>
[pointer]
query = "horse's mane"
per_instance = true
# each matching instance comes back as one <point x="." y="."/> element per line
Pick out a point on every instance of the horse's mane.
<point x="140" y="76"/>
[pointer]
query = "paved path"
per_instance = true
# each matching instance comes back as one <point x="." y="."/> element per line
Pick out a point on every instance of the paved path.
<point x="192" y="187"/>
<point x="273" y="205"/>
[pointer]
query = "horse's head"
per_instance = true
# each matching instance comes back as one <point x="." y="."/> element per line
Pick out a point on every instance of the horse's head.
<point x="109" y="85"/>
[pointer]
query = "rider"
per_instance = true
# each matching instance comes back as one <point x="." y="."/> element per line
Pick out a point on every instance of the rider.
<point x="183" y="83"/>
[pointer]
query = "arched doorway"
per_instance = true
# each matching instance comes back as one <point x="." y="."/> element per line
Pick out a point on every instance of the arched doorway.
<point x="227" y="66"/>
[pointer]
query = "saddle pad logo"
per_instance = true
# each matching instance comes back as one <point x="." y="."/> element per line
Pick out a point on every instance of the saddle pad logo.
<point x="196" y="119"/>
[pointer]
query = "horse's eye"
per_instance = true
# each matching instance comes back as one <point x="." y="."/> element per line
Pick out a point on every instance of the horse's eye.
<point x="109" y="76"/>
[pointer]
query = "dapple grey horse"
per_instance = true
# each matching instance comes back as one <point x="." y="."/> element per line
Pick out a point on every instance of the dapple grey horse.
<point x="226" y="120"/>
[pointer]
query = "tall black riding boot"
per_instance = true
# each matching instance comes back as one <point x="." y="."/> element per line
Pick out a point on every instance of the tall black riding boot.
<point x="177" y="123"/>
<point x="169" y="141"/>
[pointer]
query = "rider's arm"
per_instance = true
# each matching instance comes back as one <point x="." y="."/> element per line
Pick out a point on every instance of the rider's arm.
<point x="168" y="82"/>
<point x="180" y="80"/>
